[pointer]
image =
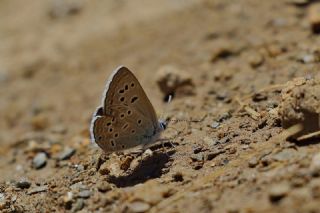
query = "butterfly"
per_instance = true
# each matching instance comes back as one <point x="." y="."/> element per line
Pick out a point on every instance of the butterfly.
<point x="126" y="117"/>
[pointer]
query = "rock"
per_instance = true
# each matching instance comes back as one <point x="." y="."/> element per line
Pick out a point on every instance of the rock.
<point x="253" y="162"/>
<point x="37" y="190"/>
<point x="64" y="8"/>
<point x="224" y="50"/>
<point x="314" y="17"/>
<point x="214" y="154"/>
<point x="79" y="186"/>
<point x="315" y="165"/>
<point x="23" y="184"/>
<point x="300" y="104"/>
<point x="284" y="155"/>
<point x="39" y="161"/>
<point x="275" y="50"/>
<point x="79" y="204"/>
<point x="174" y="81"/>
<point x="197" y="157"/>
<point x="68" y="200"/>
<point x="196" y="149"/>
<point x="278" y="191"/>
<point x="66" y="153"/>
<point x="306" y="58"/>
<point x="215" y="125"/>
<point x="223" y="96"/>
<point x="211" y="142"/>
<point x="138" y="207"/>
<point x="104" y="186"/>
<point x="79" y="168"/>
<point x="39" y="122"/>
<point x="85" y="194"/>
<point x="255" y="60"/>
<point x="224" y="116"/>
<point x="104" y="169"/>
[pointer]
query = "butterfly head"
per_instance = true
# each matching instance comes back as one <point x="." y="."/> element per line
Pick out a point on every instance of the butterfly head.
<point x="163" y="124"/>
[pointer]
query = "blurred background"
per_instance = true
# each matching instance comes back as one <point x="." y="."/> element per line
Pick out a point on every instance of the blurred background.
<point x="56" y="56"/>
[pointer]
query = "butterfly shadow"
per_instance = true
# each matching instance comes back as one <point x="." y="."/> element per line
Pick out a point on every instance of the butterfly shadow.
<point x="148" y="168"/>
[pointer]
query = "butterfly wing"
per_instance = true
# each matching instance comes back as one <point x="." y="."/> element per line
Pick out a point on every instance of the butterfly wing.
<point x="124" y="129"/>
<point x="127" y="118"/>
<point x="123" y="88"/>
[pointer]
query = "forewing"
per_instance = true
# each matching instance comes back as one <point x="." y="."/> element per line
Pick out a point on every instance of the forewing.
<point x="123" y="89"/>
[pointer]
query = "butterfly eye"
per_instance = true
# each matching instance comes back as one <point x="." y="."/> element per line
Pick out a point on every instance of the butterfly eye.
<point x="110" y="130"/>
<point x="134" y="99"/>
<point x="139" y="122"/>
<point x="112" y="142"/>
<point x="116" y="135"/>
<point x="129" y="112"/>
<point x="109" y="123"/>
<point x="133" y="131"/>
<point x="132" y="84"/>
<point x="121" y="91"/>
<point x="99" y="138"/>
<point x="122" y="116"/>
<point x="122" y="146"/>
<point x="122" y="99"/>
<point x="126" y="87"/>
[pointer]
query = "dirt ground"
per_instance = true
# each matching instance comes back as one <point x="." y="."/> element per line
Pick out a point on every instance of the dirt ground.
<point x="246" y="85"/>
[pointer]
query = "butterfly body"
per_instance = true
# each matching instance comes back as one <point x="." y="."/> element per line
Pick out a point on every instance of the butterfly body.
<point x="126" y="118"/>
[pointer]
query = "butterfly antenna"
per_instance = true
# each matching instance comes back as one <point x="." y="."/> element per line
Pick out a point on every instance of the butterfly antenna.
<point x="164" y="115"/>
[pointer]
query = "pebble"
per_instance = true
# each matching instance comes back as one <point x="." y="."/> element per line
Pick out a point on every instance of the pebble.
<point x="215" y="125"/>
<point x="197" y="157"/>
<point x="224" y="116"/>
<point x="315" y="165"/>
<point x="104" y="186"/>
<point x="139" y="206"/>
<point x="66" y="153"/>
<point x="210" y="141"/>
<point x="67" y="200"/>
<point x="63" y="8"/>
<point x="253" y="162"/>
<point x="79" y="168"/>
<point x="84" y="194"/>
<point x="39" y="122"/>
<point x="39" y="161"/>
<point x="214" y="154"/>
<point x="255" y="60"/>
<point x="284" y="155"/>
<point x="2" y="197"/>
<point x="196" y="149"/>
<point x="173" y="80"/>
<point x="314" y="17"/>
<point x="37" y="190"/>
<point x="278" y="191"/>
<point x="79" y="204"/>
<point x="307" y="58"/>
<point x="104" y="169"/>
<point x="23" y="184"/>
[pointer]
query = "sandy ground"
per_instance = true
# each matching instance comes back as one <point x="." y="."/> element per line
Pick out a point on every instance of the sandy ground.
<point x="246" y="86"/>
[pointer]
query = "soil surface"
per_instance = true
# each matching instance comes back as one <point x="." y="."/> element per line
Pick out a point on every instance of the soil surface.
<point x="244" y="77"/>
